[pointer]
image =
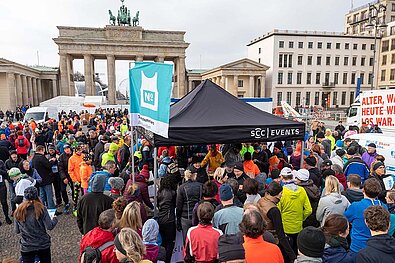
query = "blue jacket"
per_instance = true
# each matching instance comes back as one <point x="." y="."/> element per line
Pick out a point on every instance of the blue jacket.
<point x="107" y="187"/>
<point x="356" y="166"/>
<point x="337" y="255"/>
<point x="360" y="233"/>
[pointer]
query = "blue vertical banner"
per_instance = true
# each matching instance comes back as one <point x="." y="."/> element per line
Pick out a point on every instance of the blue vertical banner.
<point x="150" y="93"/>
<point x="358" y="88"/>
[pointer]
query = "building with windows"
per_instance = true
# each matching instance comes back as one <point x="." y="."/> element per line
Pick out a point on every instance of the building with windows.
<point x="313" y="68"/>
<point x="386" y="74"/>
<point x="357" y="18"/>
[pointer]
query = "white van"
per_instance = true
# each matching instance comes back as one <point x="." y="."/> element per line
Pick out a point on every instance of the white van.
<point x="385" y="146"/>
<point x="41" y="114"/>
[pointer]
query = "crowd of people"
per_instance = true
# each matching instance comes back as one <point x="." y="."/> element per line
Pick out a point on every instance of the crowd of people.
<point x="326" y="199"/>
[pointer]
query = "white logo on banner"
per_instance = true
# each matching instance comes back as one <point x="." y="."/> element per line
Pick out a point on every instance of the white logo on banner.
<point x="149" y="92"/>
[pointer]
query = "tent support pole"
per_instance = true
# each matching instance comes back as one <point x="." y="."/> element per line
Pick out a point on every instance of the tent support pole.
<point x="132" y="146"/>
<point x="302" y="154"/>
<point x="155" y="181"/>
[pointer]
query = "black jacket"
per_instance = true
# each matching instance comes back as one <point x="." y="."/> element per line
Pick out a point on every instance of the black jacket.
<point x="3" y="172"/>
<point x="124" y="154"/>
<point x="44" y="169"/>
<point x="166" y="206"/>
<point x="383" y="192"/>
<point x="353" y="195"/>
<point x="315" y="175"/>
<point x="99" y="149"/>
<point x="11" y="164"/>
<point x="314" y="195"/>
<point x="4" y="153"/>
<point x="188" y="194"/>
<point x="63" y="166"/>
<point x="262" y="161"/>
<point x="380" y="248"/>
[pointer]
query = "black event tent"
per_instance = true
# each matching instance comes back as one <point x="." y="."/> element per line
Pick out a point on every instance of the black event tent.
<point x="209" y="114"/>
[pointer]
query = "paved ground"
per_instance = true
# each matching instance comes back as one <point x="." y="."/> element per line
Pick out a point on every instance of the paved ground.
<point x="65" y="240"/>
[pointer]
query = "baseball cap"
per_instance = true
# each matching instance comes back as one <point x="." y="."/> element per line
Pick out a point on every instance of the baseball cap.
<point x="302" y="175"/>
<point x="286" y="172"/>
<point x="326" y="163"/>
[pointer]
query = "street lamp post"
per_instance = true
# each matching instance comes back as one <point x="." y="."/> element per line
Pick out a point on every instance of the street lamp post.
<point x="376" y="22"/>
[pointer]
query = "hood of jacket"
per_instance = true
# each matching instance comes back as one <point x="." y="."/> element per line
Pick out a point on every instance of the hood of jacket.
<point x="383" y="243"/>
<point x="306" y="259"/>
<point x="354" y="194"/>
<point x="150" y="231"/>
<point x="293" y="190"/>
<point x="97" y="237"/>
<point x="335" y="198"/>
<point x="98" y="183"/>
<point x="312" y="190"/>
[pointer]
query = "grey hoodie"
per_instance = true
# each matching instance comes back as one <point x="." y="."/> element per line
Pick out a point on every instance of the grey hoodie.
<point x="334" y="203"/>
<point x="306" y="259"/>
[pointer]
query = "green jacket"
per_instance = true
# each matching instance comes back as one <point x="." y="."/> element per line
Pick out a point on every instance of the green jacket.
<point x="294" y="207"/>
<point x="250" y="149"/>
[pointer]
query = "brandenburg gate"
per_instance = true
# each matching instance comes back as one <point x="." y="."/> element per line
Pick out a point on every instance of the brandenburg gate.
<point x="117" y="42"/>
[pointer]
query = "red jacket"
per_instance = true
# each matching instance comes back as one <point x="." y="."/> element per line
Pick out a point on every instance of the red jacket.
<point x="97" y="237"/>
<point x="22" y="149"/>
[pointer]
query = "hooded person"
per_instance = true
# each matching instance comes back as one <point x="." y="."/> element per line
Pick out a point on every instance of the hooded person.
<point x="150" y="234"/>
<point x="21" y="181"/>
<point x="92" y="204"/>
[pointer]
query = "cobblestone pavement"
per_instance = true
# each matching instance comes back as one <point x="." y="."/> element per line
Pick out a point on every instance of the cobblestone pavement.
<point x="65" y="239"/>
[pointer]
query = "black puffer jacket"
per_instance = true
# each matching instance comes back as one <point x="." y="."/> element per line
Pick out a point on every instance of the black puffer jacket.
<point x="166" y="206"/>
<point x="44" y="169"/>
<point x="188" y="194"/>
<point x="63" y="165"/>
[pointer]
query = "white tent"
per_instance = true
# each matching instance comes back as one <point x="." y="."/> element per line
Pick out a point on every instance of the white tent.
<point x="65" y="103"/>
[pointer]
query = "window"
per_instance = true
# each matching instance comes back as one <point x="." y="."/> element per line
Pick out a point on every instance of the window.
<point x="337" y="61"/>
<point x="392" y="74"/>
<point x="299" y="78"/>
<point x="319" y="45"/>
<point x="392" y="58"/>
<point x="393" y="8"/>
<point x="371" y="46"/>
<point x="353" y="75"/>
<point x="279" y="98"/>
<point x="280" y="60"/>
<point x="363" y="46"/>
<point x="290" y="61"/>
<point x="259" y="60"/>
<point x="240" y="83"/>
<point x="289" y="81"/>
<point x="310" y="45"/>
<point x="298" y="94"/>
<point x="370" y="78"/>
<point x="382" y="76"/>
<point x="337" y="45"/>
<point x="280" y="78"/>
<point x="259" y="50"/>
<point x="354" y="61"/>
<point x="384" y="60"/>
<point x="300" y="60"/>
<point x="362" y="78"/>
<point x="309" y="60"/>
<point x="392" y="18"/>
<point x="317" y="78"/>
<point x="334" y="101"/>
<point x="392" y="44"/>
<point x="371" y="61"/>
<point x="289" y="97"/>
<point x="308" y="78"/>
<point x="385" y="46"/>
<point x="328" y="45"/>
<point x="291" y="44"/>
<point x="352" y="97"/>
<point x="347" y="46"/>
<point x="363" y="61"/>
<point x="300" y="44"/>
<point x="285" y="61"/>
<point x="317" y="98"/>
<point x="336" y="78"/>
<point x="281" y="44"/>
<point x="345" y="61"/>
<point x="355" y="46"/>
<point x="345" y="78"/>
<point x="308" y="98"/>
<point x="344" y="94"/>
<point x="328" y="61"/>
<point x="318" y="60"/>
<point x="327" y="75"/>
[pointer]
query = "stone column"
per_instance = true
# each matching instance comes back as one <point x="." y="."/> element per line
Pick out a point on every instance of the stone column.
<point x="139" y="58"/>
<point x="24" y="90"/>
<point x="64" y="76"/>
<point x="29" y="90"/>
<point x="222" y="82"/>
<point x="70" y="74"/>
<point x="89" y="80"/>
<point x="263" y="91"/>
<point x="19" y="100"/>
<point x="11" y="85"/>
<point x="252" y="86"/>
<point x="34" y="93"/>
<point x="39" y="91"/>
<point x="54" y="88"/>
<point x="181" y="76"/>
<point x="235" y="86"/>
<point x="112" y="90"/>
<point x="190" y="86"/>
<point x="160" y="59"/>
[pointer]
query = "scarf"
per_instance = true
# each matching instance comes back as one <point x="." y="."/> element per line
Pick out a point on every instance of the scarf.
<point x="338" y="241"/>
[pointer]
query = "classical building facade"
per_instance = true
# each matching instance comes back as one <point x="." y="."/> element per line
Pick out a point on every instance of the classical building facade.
<point x="22" y="85"/>
<point x="118" y="43"/>
<point x="313" y="68"/>
<point x="241" y="78"/>
<point x="386" y="53"/>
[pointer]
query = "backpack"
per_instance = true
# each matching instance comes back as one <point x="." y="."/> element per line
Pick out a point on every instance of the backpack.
<point x="93" y="255"/>
<point x="21" y="142"/>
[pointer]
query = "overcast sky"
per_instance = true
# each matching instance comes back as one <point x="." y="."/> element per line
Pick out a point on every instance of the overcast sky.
<point x="217" y="30"/>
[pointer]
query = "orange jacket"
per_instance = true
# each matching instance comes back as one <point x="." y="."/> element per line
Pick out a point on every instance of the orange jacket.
<point x="74" y="167"/>
<point x="257" y="249"/>
<point x="250" y="168"/>
<point x="85" y="173"/>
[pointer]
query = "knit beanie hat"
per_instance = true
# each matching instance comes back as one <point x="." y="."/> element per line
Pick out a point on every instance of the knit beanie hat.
<point x="377" y="165"/>
<point x="311" y="161"/>
<point x="31" y="193"/>
<point x="14" y="172"/>
<point x="116" y="183"/>
<point x="311" y="242"/>
<point x="239" y="166"/>
<point x="225" y="192"/>
<point x="145" y="171"/>
<point x="339" y="143"/>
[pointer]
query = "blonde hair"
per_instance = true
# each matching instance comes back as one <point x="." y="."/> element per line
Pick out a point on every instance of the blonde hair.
<point x="219" y="173"/>
<point x="131" y="216"/>
<point x="331" y="185"/>
<point x="133" y="245"/>
<point x="188" y="175"/>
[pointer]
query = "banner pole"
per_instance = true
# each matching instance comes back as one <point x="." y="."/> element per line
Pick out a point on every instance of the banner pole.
<point x="302" y="155"/>
<point x="155" y="180"/>
<point x="132" y="144"/>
